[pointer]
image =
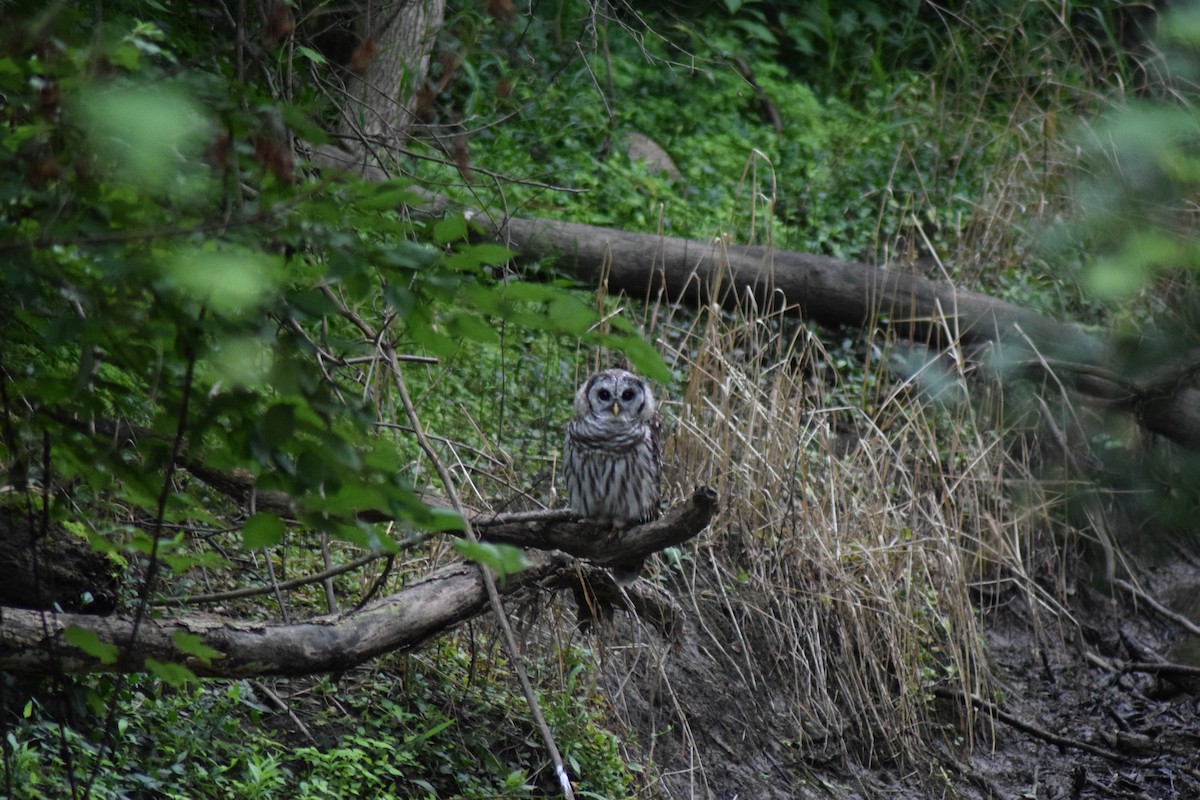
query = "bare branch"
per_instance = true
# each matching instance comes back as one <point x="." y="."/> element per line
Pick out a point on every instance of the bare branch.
<point x="32" y="642"/>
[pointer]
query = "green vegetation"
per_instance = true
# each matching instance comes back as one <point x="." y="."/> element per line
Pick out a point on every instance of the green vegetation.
<point x="178" y="284"/>
<point x="394" y="736"/>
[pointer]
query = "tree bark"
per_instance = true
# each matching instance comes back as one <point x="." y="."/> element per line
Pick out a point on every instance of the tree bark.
<point x="33" y="641"/>
<point x="828" y="290"/>
<point x="387" y="73"/>
<point x="835" y="292"/>
<point x="52" y="567"/>
<point x="403" y="34"/>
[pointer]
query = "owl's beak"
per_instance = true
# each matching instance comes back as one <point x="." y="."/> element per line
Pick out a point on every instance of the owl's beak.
<point x="616" y="410"/>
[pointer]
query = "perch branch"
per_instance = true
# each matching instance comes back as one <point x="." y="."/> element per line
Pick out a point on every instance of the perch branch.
<point x="401" y="621"/>
<point x="602" y="543"/>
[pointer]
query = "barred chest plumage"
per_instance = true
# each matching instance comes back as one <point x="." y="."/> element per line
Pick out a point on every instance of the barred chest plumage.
<point x="613" y="479"/>
<point x="613" y="454"/>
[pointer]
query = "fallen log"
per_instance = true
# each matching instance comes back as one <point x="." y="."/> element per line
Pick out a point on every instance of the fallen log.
<point x="835" y="292"/>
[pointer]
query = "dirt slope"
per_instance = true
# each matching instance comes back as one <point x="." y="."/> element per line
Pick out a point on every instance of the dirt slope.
<point x="1073" y="715"/>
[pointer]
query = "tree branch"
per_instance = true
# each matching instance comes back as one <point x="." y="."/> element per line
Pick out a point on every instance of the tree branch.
<point x="335" y="642"/>
<point x="603" y="544"/>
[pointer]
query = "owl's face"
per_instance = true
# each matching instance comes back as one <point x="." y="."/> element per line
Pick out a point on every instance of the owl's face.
<point x="615" y="397"/>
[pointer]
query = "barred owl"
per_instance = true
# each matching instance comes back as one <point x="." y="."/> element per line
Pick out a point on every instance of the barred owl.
<point x="613" y="454"/>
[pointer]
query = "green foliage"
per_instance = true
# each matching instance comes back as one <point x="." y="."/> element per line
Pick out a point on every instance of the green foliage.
<point x="868" y="148"/>
<point x="1142" y="175"/>
<point x="1129" y="237"/>
<point x="502" y="559"/>
<point x="401" y="740"/>
<point x="142" y="283"/>
<point x="90" y="643"/>
<point x="588" y="749"/>
<point x="175" y="293"/>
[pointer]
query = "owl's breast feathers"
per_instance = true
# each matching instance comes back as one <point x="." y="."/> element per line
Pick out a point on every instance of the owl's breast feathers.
<point x="592" y="435"/>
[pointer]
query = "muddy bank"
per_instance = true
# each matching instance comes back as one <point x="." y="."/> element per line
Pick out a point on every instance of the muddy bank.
<point x="1099" y="698"/>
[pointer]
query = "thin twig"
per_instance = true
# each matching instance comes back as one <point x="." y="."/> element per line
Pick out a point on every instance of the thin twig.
<point x="994" y="711"/>
<point x="330" y="597"/>
<point x="1158" y="668"/>
<point x="1179" y="619"/>
<point x="510" y="641"/>
<point x="266" y="552"/>
<point x="285" y="708"/>
<point x="252" y="591"/>
<point x="147" y="588"/>
<point x="377" y="584"/>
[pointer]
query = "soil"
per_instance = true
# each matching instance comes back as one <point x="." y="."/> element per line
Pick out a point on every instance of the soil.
<point x="1081" y="707"/>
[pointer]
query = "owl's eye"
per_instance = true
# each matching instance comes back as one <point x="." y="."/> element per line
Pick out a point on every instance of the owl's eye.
<point x="605" y="395"/>
<point x="627" y="395"/>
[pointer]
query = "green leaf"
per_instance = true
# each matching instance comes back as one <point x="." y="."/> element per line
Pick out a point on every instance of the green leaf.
<point x="503" y="559"/>
<point x="240" y="361"/>
<point x="429" y="734"/>
<point x="444" y="519"/>
<point x="144" y="129"/>
<point x="182" y="562"/>
<point x="310" y="54"/>
<point x="432" y="340"/>
<point x="232" y="281"/>
<point x="642" y="356"/>
<point x="278" y="424"/>
<point x="90" y="643"/>
<point x="262" y="530"/>
<point x="570" y="315"/>
<point x="450" y="229"/>
<point x="176" y="675"/>
<point x="388" y="195"/>
<point x="297" y="119"/>
<point x="194" y="645"/>
<point x="469" y="326"/>
<point x="474" y="256"/>
<point x="352" y="497"/>
<point x="532" y="292"/>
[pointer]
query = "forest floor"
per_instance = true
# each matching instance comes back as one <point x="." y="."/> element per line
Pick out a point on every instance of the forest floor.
<point x="1082" y="707"/>
<point x="1092" y="712"/>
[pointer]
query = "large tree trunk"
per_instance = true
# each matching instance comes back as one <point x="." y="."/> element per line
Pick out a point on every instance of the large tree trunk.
<point x="387" y="74"/>
<point x="837" y="292"/>
<point x="401" y="35"/>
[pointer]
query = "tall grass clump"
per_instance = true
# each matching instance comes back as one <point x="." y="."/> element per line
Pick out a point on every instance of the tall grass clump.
<point x="866" y="516"/>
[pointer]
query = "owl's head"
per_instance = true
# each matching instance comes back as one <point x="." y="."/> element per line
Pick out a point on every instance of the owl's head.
<point x="617" y="395"/>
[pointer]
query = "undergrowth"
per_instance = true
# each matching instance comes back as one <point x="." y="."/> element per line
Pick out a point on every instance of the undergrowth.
<point x="439" y="724"/>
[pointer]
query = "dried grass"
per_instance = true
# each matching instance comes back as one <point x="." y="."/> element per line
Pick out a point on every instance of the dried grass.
<point x="869" y="510"/>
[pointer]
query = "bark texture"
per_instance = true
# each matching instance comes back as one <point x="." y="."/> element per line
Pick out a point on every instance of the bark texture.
<point x="34" y="642"/>
<point x="829" y="290"/>
<point x="403" y="35"/>
<point x="44" y="565"/>
<point x="387" y="73"/>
